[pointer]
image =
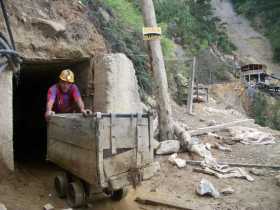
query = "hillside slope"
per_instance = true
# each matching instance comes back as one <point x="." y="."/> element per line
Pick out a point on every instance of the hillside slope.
<point x="252" y="47"/>
<point x="53" y="29"/>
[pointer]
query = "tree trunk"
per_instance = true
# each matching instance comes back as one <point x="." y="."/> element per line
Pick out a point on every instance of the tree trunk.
<point x="159" y="74"/>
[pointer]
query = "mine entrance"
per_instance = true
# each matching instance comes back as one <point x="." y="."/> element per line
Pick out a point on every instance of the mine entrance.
<point x="30" y="94"/>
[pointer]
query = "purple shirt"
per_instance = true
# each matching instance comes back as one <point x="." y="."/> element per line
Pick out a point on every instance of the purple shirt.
<point x="64" y="102"/>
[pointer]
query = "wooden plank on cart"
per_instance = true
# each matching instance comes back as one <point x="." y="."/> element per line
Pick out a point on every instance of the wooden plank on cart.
<point x="113" y="134"/>
<point x="119" y="163"/>
<point x="101" y="132"/>
<point x="73" y="129"/>
<point x="78" y="161"/>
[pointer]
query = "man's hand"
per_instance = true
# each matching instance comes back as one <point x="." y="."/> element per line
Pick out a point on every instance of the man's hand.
<point x="48" y="114"/>
<point x="86" y="112"/>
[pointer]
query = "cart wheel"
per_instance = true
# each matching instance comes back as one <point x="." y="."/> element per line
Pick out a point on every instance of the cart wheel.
<point x="60" y="185"/>
<point x="76" y="196"/>
<point x="117" y="195"/>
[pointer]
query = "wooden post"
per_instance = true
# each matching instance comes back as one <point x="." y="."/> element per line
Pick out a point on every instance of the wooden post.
<point x="197" y="87"/>
<point x="191" y="85"/>
<point x="159" y="74"/>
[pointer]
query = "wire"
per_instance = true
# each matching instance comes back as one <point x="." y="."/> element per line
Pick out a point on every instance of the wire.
<point x="8" y="50"/>
<point x="7" y="24"/>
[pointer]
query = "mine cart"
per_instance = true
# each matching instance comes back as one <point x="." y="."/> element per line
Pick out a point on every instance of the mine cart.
<point x="101" y="153"/>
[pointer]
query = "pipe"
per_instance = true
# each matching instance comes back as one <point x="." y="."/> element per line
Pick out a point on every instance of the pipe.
<point x="9" y="52"/>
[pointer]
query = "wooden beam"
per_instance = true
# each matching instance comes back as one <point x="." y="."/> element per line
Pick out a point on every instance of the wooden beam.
<point x="38" y="60"/>
<point x="243" y="165"/>
<point x="205" y="130"/>
<point x="190" y="89"/>
<point x="166" y="201"/>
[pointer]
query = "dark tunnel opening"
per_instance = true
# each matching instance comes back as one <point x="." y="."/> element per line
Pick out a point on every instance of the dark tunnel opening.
<point x="29" y="104"/>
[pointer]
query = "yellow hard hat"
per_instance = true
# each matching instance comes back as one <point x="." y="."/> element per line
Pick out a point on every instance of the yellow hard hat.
<point x="67" y="75"/>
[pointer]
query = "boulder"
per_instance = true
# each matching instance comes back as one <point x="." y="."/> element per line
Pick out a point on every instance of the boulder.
<point x="2" y="206"/>
<point x="205" y="187"/>
<point x="168" y="147"/>
<point x="180" y="163"/>
<point x="115" y="84"/>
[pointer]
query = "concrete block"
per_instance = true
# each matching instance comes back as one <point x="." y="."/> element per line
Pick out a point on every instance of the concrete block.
<point x="115" y="84"/>
<point x="6" y="118"/>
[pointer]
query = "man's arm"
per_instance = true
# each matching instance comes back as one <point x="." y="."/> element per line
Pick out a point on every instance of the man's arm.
<point x="80" y="104"/>
<point x="49" y="105"/>
<point x="50" y="102"/>
<point x="79" y="101"/>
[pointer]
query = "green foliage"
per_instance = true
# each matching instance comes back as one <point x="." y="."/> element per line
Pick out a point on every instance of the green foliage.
<point x="266" y="111"/>
<point x="269" y="12"/>
<point x="187" y="20"/>
<point x="126" y="12"/>
<point x="167" y="47"/>
<point x="259" y="109"/>
<point x="192" y="21"/>
<point x="123" y="34"/>
<point x="275" y="119"/>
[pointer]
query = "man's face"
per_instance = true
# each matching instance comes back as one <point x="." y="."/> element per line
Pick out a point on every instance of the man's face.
<point x="64" y="86"/>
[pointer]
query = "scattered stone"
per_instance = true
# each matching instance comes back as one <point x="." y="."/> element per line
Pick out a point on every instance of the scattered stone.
<point x="201" y="120"/>
<point x="207" y="188"/>
<point x="48" y="206"/>
<point x="258" y="172"/>
<point x="212" y="123"/>
<point x="168" y="147"/>
<point x="201" y="150"/>
<point x="180" y="163"/>
<point x="278" y="180"/>
<point x="227" y="191"/>
<point x="2" y="206"/>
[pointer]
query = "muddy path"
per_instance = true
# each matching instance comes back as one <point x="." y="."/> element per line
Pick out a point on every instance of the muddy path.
<point x="252" y="46"/>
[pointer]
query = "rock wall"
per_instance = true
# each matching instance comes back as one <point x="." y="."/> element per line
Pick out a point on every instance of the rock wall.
<point x="115" y="85"/>
<point x="53" y="29"/>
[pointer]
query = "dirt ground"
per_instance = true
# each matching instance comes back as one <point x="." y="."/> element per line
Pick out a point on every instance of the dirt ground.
<point x="31" y="186"/>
